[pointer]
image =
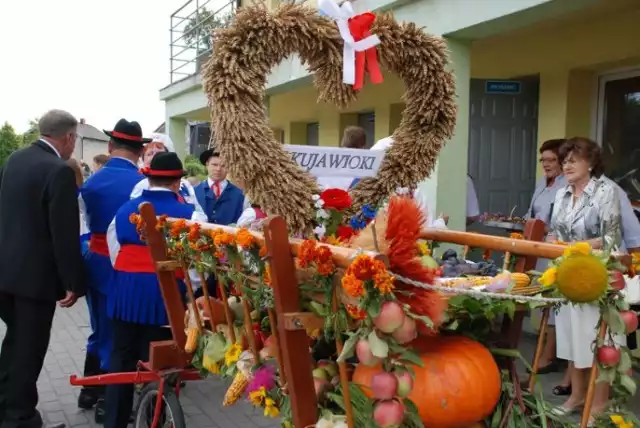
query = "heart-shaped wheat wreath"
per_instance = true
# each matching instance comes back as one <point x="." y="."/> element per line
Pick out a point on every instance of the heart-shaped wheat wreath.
<point x="258" y="40"/>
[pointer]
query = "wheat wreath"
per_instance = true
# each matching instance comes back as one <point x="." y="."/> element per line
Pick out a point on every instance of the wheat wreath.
<point x="235" y="77"/>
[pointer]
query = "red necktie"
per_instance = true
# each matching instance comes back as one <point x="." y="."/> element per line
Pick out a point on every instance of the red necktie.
<point x="216" y="189"/>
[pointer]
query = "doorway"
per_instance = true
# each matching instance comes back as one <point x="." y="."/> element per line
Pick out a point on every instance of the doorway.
<point x="503" y="127"/>
<point x="619" y="129"/>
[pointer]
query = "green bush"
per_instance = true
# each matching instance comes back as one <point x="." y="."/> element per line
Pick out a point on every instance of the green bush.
<point x="194" y="168"/>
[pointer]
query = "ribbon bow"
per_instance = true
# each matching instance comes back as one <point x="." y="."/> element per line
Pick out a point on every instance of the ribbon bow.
<point x="359" y="44"/>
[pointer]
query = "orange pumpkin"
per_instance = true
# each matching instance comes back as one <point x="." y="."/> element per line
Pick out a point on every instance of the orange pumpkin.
<point x="459" y="384"/>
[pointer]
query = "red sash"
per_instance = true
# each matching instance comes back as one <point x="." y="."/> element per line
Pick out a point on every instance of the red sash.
<point x="137" y="259"/>
<point x="259" y="214"/>
<point x="98" y="244"/>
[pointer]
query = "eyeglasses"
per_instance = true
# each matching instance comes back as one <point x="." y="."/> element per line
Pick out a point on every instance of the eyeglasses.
<point x="548" y="160"/>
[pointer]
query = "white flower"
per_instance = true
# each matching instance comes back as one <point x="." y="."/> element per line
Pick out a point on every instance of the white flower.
<point x="315" y="197"/>
<point x="319" y="203"/>
<point x="320" y="231"/>
<point x="322" y="214"/>
<point x="324" y="423"/>
<point x="402" y="191"/>
<point x="334" y="422"/>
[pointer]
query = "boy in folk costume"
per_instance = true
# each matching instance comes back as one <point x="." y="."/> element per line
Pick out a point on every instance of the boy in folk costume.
<point x="135" y="304"/>
<point x="162" y="143"/>
<point x="100" y="197"/>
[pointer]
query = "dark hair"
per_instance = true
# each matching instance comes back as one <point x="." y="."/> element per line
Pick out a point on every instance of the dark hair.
<point x="162" y="181"/>
<point x="101" y="159"/>
<point x="586" y="149"/>
<point x="354" y="137"/>
<point x="552" y="145"/>
<point x="117" y="145"/>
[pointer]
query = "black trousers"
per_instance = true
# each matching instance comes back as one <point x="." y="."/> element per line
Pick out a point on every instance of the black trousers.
<point x="23" y="350"/>
<point x="130" y="345"/>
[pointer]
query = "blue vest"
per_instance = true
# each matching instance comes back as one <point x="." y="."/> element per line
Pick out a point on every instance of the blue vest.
<point x="224" y="210"/>
<point x="136" y="296"/>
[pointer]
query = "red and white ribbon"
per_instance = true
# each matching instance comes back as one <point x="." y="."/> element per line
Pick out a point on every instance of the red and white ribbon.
<point x="359" y="44"/>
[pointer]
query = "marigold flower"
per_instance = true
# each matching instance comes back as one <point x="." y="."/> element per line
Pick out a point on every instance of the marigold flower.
<point x="362" y="268"/>
<point x="356" y="313"/>
<point x="263" y="251"/>
<point x="325" y="268"/>
<point x="245" y="239"/>
<point x="583" y="248"/>
<point x="306" y="253"/>
<point x="516" y="235"/>
<point x="353" y="286"/>
<point x="194" y="232"/>
<point x="322" y="254"/>
<point x="266" y="278"/>
<point x="383" y="282"/>
<point x="134" y="218"/>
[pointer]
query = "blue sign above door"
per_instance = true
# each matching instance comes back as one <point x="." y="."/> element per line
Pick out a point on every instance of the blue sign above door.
<point x="502" y="87"/>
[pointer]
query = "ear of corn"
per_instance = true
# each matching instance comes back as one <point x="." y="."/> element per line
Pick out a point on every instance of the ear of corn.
<point x="235" y="391"/>
<point x="192" y="340"/>
<point x="520" y="279"/>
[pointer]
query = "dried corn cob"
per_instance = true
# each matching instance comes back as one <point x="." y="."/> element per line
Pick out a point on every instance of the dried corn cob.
<point x="192" y="340"/>
<point x="235" y="391"/>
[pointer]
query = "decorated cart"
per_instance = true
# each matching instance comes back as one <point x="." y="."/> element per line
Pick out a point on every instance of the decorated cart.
<point x="331" y="314"/>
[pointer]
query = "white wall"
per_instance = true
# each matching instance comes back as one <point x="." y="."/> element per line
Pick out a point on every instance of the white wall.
<point x="87" y="148"/>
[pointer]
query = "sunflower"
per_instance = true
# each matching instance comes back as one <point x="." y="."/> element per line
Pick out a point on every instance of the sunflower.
<point x="232" y="355"/>
<point x="549" y="277"/>
<point x="270" y="409"/>
<point x="579" y="248"/>
<point x="258" y="396"/>
<point x="582" y="278"/>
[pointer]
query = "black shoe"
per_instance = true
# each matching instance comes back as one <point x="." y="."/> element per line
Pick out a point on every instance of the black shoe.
<point x="89" y="395"/>
<point x="56" y="425"/>
<point x="88" y="398"/>
<point x="100" y="413"/>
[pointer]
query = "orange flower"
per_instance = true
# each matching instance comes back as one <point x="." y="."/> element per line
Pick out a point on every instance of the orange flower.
<point x="306" y="253"/>
<point x="135" y="218"/>
<point x="194" y="232"/>
<point x="177" y="227"/>
<point x="218" y="254"/>
<point x="516" y="235"/>
<point x="383" y="282"/>
<point x="352" y="285"/>
<point x="325" y="268"/>
<point x="245" y="239"/>
<point x="362" y="267"/>
<point x="322" y="254"/>
<point x="356" y="313"/>
<point x="332" y="240"/>
<point x="263" y="251"/>
<point x="224" y="239"/>
<point x="267" y="276"/>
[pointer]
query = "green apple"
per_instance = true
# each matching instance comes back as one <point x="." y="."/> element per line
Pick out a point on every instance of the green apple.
<point x="330" y="367"/>
<point x="429" y="262"/>
<point x="321" y="373"/>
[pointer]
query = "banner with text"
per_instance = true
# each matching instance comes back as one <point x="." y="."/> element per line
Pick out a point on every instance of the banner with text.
<point x="335" y="161"/>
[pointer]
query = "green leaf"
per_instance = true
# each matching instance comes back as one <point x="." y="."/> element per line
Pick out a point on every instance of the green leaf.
<point x="410" y="406"/>
<point x="379" y="347"/>
<point x="625" y="363"/>
<point x="614" y="320"/>
<point x="348" y="347"/>
<point x="319" y="309"/>
<point x="426" y="320"/>
<point x="411" y="357"/>
<point x="373" y="308"/>
<point x="628" y="383"/>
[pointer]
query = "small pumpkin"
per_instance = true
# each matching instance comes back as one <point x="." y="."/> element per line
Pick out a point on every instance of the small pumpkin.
<point x="459" y="384"/>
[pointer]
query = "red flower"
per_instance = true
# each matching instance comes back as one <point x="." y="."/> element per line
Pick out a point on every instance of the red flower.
<point x="337" y="199"/>
<point x="344" y="233"/>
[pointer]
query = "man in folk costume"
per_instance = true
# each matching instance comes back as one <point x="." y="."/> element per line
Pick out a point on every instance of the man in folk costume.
<point x="135" y="305"/>
<point x="222" y="201"/>
<point x="162" y="143"/>
<point x="100" y="197"/>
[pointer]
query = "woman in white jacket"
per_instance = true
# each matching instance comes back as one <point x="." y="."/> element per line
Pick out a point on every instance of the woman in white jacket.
<point x="163" y="143"/>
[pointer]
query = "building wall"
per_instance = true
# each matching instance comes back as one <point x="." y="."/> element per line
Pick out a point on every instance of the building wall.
<point x="569" y="55"/>
<point x="87" y="148"/>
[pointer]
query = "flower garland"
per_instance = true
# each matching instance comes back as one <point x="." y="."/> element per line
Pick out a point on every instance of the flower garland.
<point x="584" y="276"/>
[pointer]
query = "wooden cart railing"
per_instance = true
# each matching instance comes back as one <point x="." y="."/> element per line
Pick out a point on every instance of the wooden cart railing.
<point x="291" y="324"/>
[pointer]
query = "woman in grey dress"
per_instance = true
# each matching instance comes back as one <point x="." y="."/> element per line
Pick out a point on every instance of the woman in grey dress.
<point x="541" y="206"/>
<point x="586" y="210"/>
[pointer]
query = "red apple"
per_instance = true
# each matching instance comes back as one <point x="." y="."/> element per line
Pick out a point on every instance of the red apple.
<point x="630" y="319"/>
<point x="608" y="355"/>
<point x="617" y="280"/>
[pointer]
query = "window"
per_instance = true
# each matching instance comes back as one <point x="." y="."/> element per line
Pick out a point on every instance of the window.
<point x="313" y="131"/>
<point x="199" y="137"/>
<point x="367" y="121"/>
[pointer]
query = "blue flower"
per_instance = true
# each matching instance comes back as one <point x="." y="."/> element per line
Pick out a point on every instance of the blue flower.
<point x="368" y="212"/>
<point x="357" y="223"/>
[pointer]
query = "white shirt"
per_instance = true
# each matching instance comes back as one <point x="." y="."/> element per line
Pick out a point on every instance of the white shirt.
<point x="473" y="210"/>
<point x="51" y="145"/>
<point x="191" y="199"/>
<point x="222" y="184"/>
<point x="114" y="245"/>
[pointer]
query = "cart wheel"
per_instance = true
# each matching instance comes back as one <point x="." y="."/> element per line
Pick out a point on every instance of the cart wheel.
<point x="171" y="415"/>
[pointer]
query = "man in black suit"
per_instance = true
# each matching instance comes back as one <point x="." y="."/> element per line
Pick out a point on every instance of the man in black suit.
<point x="40" y="260"/>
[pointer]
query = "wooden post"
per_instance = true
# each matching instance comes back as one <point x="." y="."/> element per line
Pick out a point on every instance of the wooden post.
<point x="542" y="333"/>
<point x="342" y="367"/>
<point x="593" y="376"/>
<point x="168" y="284"/>
<point x="295" y="344"/>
